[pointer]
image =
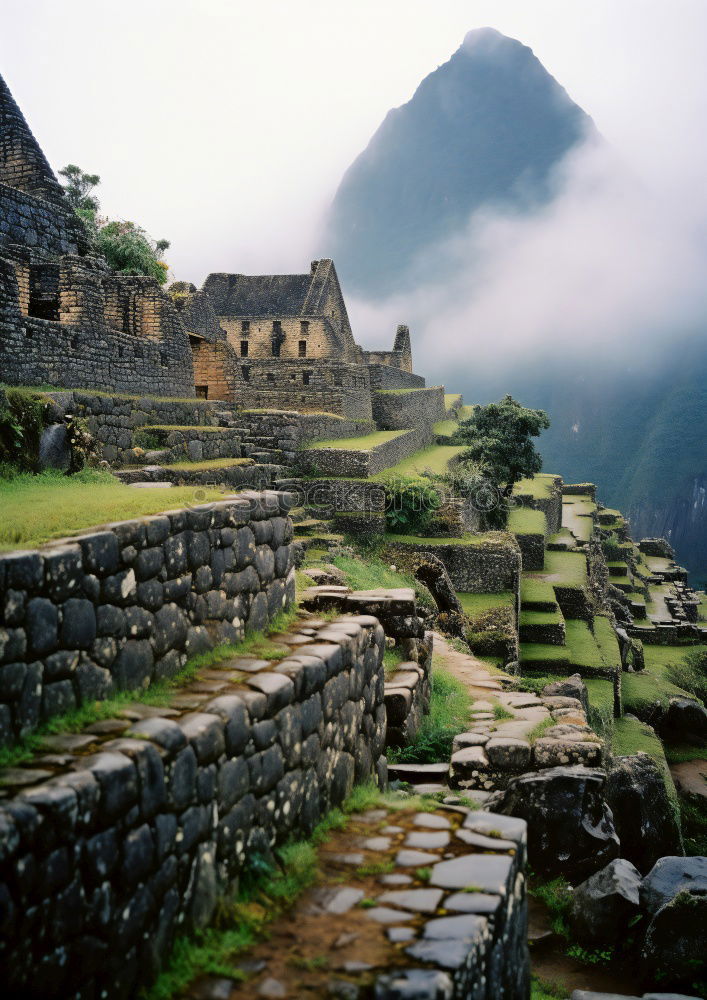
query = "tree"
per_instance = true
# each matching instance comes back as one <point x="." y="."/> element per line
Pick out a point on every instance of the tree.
<point x="126" y="246"/>
<point x="499" y="438"/>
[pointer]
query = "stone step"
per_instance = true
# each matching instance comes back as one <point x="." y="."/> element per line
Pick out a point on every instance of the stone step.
<point x="419" y="774"/>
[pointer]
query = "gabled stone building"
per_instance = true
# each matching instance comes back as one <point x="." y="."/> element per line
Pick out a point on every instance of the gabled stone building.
<point x="257" y="341"/>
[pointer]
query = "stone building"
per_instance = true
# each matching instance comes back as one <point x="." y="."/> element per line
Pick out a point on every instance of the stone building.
<point x="257" y="341"/>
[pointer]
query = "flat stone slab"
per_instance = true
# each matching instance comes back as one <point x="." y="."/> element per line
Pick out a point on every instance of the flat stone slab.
<point x="473" y="902"/>
<point x="376" y="843"/>
<point x="507" y="753"/>
<point x="431" y="821"/>
<point x="17" y="777"/>
<point x="485" y="872"/>
<point x="398" y="934"/>
<point x="418" y="773"/>
<point x="418" y="900"/>
<point x="335" y="900"/>
<point x="395" y="878"/>
<point x="67" y="742"/>
<point x="385" y="915"/>
<point x="485" y="843"/>
<point x="413" y="859"/>
<point x="427" y="840"/>
<point x="474" y="739"/>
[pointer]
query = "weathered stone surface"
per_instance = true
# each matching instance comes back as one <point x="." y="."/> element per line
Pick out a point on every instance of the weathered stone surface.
<point x="569" y="687"/>
<point x="644" y="816"/>
<point x="671" y="876"/>
<point x="604" y="905"/>
<point x="415" y="984"/>
<point x="485" y="873"/>
<point x="570" y="828"/>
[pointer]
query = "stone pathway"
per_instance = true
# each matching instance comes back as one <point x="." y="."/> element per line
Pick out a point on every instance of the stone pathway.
<point x="406" y="903"/>
<point x="501" y="743"/>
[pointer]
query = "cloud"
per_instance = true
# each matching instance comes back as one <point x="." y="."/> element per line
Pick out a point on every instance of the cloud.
<point x="612" y="267"/>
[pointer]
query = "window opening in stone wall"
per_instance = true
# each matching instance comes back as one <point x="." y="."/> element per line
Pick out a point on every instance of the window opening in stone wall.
<point x="303" y="348"/>
<point x="246" y="373"/>
<point x="305" y="378"/>
<point x="138" y="351"/>
<point x="74" y="342"/>
<point x="244" y="348"/>
<point x="304" y="327"/>
<point x="337" y="381"/>
<point x="202" y="391"/>
<point x="43" y="291"/>
<point x="270" y="377"/>
<point x="278" y="338"/>
<point x="126" y="325"/>
<point x="245" y="326"/>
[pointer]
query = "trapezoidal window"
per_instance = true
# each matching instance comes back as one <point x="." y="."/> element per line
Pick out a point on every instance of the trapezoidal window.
<point x="302" y="349"/>
<point x="277" y="338"/>
<point x="245" y="327"/>
<point x="43" y="291"/>
<point x="246" y="373"/>
<point x="244" y="348"/>
<point x="304" y="327"/>
<point x="306" y="377"/>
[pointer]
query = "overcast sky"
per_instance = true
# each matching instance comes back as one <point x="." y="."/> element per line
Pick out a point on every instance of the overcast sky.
<point x="225" y="127"/>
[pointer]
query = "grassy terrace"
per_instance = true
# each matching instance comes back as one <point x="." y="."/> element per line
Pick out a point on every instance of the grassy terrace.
<point x="467" y="539"/>
<point x="436" y="458"/>
<point x="185" y="427"/>
<point x="213" y="463"/>
<point x="476" y="604"/>
<point x="526" y="521"/>
<point x="365" y="443"/>
<point x="445" y="428"/>
<point x="450" y="398"/>
<point x="404" y="392"/>
<point x="36" y="509"/>
<point x="578" y="523"/>
<point x="539" y="487"/>
<point x="565" y="569"/>
<point x="541" y="617"/>
<point x="533" y="591"/>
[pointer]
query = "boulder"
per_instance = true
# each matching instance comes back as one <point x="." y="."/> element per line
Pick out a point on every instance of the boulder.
<point x="644" y="816"/>
<point x="670" y="876"/>
<point x="603" y="906"/>
<point x="54" y="448"/>
<point x="569" y="687"/>
<point x="570" y="827"/>
<point x="685" y="719"/>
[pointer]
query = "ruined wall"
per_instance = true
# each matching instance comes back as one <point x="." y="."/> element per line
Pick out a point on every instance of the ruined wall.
<point x="118" y="608"/>
<point x="349" y="462"/>
<point x="327" y="387"/>
<point x="134" y="840"/>
<point x="384" y="376"/>
<point x="395" y="409"/>
<point x="73" y="323"/>
<point x="491" y="564"/>
<point x="31" y="221"/>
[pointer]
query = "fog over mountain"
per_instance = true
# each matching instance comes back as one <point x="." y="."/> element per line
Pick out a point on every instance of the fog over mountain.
<point x="529" y="256"/>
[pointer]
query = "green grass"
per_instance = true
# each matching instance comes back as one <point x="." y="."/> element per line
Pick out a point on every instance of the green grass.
<point x="540" y="989"/>
<point x="693" y="817"/>
<point x="534" y="591"/>
<point x="449" y="715"/>
<point x="433" y="543"/>
<point x="36" y="509"/>
<point x="576" y="522"/>
<point x="541" y="617"/>
<point x="119" y="395"/>
<point x="540" y="729"/>
<point x="450" y="398"/>
<point x="476" y="604"/>
<point x="213" y="463"/>
<point x="501" y="713"/>
<point x="464" y="412"/>
<point x="526" y="521"/>
<point x="445" y="428"/>
<point x="535" y="654"/>
<point x="582" y="646"/>
<point x="365" y="443"/>
<point x="643" y="693"/>
<point x="183" y="427"/>
<point x="392" y="658"/>
<point x="404" y="392"/>
<point x="265" y="893"/>
<point x="566" y="569"/>
<point x="538" y="487"/>
<point x="435" y="459"/>
<point x="607" y="642"/>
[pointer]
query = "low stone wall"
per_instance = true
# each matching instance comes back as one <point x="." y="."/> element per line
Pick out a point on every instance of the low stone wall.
<point x="490" y="564"/>
<point x="190" y="444"/>
<point x="349" y="462"/>
<point x="574" y="489"/>
<point x="134" y="838"/>
<point x="532" y="549"/>
<point x="397" y="410"/>
<point x="120" y="607"/>
<point x="113" y="419"/>
<point x="407" y="699"/>
<point x="388" y="377"/>
<point x="345" y="495"/>
<point x="244" y="474"/>
<point x="352" y="401"/>
<point x="364" y="527"/>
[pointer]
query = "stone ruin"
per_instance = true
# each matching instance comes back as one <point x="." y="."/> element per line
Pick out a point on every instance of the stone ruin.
<point x="67" y="320"/>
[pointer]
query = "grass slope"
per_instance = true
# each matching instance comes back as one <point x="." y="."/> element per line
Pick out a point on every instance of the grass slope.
<point x="436" y="459"/>
<point x="36" y="509"/>
<point x="365" y="443"/>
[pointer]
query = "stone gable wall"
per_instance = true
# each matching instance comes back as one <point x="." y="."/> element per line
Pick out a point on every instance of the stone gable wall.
<point x="118" y="608"/>
<point x="33" y="222"/>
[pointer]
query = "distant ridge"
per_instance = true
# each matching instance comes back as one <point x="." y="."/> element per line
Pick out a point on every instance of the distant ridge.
<point x="486" y="127"/>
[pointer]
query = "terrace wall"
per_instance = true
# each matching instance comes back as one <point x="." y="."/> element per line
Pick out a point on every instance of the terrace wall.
<point x="417" y="408"/>
<point x="491" y="565"/>
<point x="104" y="863"/>
<point x="387" y="377"/>
<point x="118" y="608"/>
<point x="350" y="462"/>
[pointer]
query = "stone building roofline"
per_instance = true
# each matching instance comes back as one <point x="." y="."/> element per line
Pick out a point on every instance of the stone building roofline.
<point x="271" y="295"/>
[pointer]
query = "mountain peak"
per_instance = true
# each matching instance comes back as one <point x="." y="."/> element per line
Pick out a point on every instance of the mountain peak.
<point x="487" y="127"/>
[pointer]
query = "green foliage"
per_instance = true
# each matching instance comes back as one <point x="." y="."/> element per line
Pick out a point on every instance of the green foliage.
<point x="691" y="673"/>
<point x="22" y="421"/>
<point x="587" y="957"/>
<point x="693" y="816"/>
<point x="449" y="715"/>
<point x="556" y="895"/>
<point x="371" y="573"/>
<point x="78" y="188"/>
<point x="424" y="874"/>
<point x="126" y="246"/>
<point x="147" y="440"/>
<point x="411" y="505"/>
<point x="540" y="989"/>
<point x="129" y="250"/>
<point x="499" y="437"/>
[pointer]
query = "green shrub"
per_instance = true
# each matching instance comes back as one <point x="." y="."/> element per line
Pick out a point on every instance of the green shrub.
<point x="22" y="421"/>
<point x="411" y="505"/>
<point x="449" y="715"/>
<point x="691" y="674"/>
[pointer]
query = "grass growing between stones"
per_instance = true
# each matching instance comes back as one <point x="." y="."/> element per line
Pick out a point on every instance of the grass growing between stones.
<point x="476" y="604"/>
<point x="540" y="989"/>
<point x="36" y="509"/>
<point x="212" y="463"/>
<point x="265" y="892"/>
<point x="372" y="573"/>
<point x="630" y="736"/>
<point x="450" y="705"/>
<point x="159" y="694"/>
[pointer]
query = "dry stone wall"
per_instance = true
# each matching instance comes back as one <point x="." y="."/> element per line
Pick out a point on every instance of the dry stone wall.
<point x="118" y="608"/>
<point x="134" y="838"/>
<point x="385" y="376"/>
<point x="395" y="410"/>
<point x="360" y="463"/>
<point x="491" y="564"/>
